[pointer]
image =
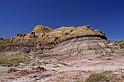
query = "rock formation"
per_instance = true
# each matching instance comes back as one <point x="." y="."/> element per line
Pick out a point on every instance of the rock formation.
<point x="46" y="35"/>
<point x="66" y="54"/>
<point x="72" y="40"/>
<point x="42" y="29"/>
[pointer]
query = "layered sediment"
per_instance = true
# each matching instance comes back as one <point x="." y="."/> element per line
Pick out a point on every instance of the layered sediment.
<point x="58" y="55"/>
<point x="46" y="35"/>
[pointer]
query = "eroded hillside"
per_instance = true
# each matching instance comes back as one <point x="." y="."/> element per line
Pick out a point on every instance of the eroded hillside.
<point x="47" y="35"/>
<point x="66" y="54"/>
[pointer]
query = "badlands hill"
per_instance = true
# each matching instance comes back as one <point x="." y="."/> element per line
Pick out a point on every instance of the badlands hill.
<point x="46" y="35"/>
<point x="66" y="54"/>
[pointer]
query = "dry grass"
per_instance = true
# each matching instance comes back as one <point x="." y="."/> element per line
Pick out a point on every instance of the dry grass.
<point x="3" y="42"/>
<point x="121" y="44"/>
<point x="13" y="60"/>
<point x="106" y="76"/>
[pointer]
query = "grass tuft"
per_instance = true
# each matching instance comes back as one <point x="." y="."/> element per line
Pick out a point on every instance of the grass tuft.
<point x="13" y="60"/>
<point x="106" y="76"/>
<point x="121" y="44"/>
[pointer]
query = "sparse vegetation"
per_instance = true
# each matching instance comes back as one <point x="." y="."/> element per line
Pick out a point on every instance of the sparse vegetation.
<point x="13" y="60"/>
<point x="3" y="42"/>
<point x="121" y="44"/>
<point x="106" y="76"/>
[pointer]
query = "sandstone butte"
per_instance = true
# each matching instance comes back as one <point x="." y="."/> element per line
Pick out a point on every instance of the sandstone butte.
<point x="46" y="35"/>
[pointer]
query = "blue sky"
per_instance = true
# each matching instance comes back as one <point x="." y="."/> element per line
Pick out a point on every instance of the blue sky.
<point x="20" y="16"/>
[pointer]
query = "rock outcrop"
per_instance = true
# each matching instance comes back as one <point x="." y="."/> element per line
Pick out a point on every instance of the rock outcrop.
<point x="42" y="29"/>
<point x="46" y="35"/>
<point x="65" y="33"/>
<point x="77" y="40"/>
<point x="82" y="46"/>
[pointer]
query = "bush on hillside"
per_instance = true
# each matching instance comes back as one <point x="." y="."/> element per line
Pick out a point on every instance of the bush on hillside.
<point x="121" y="44"/>
<point x="106" y="76"/>
<point x="3" y="42"/>
<point x="13" y="60"/>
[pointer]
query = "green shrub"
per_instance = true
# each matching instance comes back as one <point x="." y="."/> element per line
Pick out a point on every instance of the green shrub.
<point x="13" y="60"/>
<point x="121" y="44"/>
<point x="106" y="76"/>
<point x="3" y="42"/>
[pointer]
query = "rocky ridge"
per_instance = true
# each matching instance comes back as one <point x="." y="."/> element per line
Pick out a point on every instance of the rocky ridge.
<point x="47" y="35"/>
